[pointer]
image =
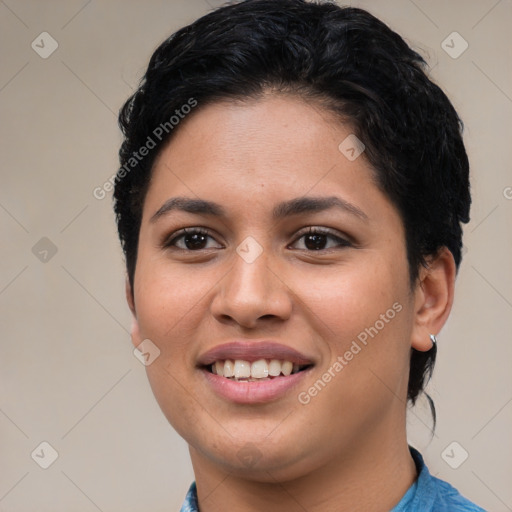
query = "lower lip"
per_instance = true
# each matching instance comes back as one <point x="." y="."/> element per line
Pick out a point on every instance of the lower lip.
<point x="244" y="392"/>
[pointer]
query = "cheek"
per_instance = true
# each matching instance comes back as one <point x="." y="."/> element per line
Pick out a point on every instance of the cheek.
<point x="348" y="299"/>
<point x="170" y="307"/>
<point x="170" y="301"/>
<point x="363" y="318"/>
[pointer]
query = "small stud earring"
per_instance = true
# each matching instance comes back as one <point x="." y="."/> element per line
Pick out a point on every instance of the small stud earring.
<point x="433" y="339"/>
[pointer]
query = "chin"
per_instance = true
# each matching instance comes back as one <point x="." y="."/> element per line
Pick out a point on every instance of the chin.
<point x="256" y="457"/>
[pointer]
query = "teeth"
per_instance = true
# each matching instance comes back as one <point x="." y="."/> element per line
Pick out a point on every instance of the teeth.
<point x="274" y="368"/>
<point x="261" y="369"/>
<point x="219" y="368"/>
<point x="229" y="368"/>
<point x="242" y="369"/>
<point x="286" y="368"/>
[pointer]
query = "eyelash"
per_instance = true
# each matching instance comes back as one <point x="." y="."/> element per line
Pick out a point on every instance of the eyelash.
<point x="342" y="242"/>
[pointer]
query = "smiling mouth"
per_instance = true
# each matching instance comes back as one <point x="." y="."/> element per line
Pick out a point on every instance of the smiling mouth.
<point x="240" y="370"/>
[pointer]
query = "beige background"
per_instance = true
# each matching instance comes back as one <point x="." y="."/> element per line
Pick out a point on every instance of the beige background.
<point x="68" y="375"/>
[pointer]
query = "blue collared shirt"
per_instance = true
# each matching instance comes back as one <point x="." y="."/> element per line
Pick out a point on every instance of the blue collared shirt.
<point x="426" y="494"/>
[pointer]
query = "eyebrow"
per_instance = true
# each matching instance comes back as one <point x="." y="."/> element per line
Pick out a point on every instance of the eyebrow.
<point x="282" y="210"/>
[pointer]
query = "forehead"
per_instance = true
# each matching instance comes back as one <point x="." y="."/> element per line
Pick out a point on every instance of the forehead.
<point x="261" y="152"/>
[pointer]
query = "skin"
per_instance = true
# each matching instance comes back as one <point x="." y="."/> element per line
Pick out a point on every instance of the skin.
<point x="346" y="450"/>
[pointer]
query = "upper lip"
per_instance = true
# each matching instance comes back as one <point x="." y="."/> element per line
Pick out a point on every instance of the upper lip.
<point x="252" y="351"/>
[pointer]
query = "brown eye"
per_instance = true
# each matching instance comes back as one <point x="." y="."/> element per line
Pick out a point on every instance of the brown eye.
<point x="192" y="240"/>
<point x="317" y="239"/>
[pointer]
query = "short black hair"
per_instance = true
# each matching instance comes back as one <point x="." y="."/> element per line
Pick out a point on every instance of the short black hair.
<point x="343" y="57"/>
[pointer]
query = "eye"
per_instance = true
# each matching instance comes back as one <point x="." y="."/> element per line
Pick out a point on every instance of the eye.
<point x="192" y="239"/>
<point x="197" y="239"/>
<point x="319" y="239"/>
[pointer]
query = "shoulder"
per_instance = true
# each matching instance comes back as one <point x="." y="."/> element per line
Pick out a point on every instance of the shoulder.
<point x="436" y="495"/>
<point x="449" y="499"/>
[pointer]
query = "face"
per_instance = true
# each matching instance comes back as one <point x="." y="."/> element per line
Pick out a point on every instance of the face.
<point x="262" y="244"/>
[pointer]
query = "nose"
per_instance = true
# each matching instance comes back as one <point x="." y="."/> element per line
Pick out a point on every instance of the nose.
<point x="252" y="294"/>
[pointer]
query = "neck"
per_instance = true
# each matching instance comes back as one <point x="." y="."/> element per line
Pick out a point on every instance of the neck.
<point x="369" y="477"/>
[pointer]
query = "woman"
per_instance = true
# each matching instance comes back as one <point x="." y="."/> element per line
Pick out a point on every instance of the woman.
<point x="290" y="200"/>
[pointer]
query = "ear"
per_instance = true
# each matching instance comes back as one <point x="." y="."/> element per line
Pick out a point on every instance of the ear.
<point x="135" y="331"/>
<point x="433" y="298"/>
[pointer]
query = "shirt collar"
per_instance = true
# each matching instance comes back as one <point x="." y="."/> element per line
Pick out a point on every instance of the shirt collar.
<point x="190" y="503"/>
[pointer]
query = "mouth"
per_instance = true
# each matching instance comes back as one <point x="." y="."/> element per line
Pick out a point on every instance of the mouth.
<point x="249" y="372"/>
<point x="240" y="370"/>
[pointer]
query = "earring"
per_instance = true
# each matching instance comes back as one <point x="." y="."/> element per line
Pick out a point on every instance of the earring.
<point x="433" y="339"/>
